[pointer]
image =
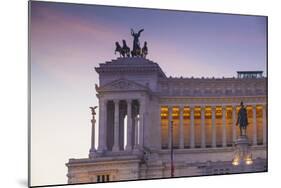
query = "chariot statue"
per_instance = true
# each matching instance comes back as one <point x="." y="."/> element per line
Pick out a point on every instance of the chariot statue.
<point x="136" y="44"/>
<point x="137" y="51"/>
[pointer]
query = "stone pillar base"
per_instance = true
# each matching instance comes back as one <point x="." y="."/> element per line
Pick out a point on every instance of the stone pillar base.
<point x="128" y="148"/>
<point x="137" y="151"/>
<point x="115" y="149"/>
<point x="242" y="153"/>
<point x="92" y="153"/>
<point x="100" y="152"/>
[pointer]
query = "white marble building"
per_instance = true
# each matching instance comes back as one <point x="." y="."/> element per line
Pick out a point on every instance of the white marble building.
<point x="138" y="104"/>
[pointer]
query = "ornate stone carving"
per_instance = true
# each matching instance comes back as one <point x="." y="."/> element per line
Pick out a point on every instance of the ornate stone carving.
<point x="122" y="85"/>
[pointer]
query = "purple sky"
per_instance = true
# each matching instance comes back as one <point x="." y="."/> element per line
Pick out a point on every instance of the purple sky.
<point x="68" y="41"/>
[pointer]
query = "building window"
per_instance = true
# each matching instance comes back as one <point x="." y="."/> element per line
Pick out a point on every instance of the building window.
<point x="103" y="178"/>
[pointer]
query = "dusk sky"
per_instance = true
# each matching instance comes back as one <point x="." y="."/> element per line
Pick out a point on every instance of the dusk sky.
<point x="69" y="40"/>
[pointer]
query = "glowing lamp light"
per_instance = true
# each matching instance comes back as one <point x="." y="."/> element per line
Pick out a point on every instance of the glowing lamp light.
<point x="235" y="162"/>
<point x="249" y="161"/>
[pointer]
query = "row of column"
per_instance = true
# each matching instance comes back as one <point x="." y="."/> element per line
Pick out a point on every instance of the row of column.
<point x="203" y="135"/>
<point x="138" y="123"/>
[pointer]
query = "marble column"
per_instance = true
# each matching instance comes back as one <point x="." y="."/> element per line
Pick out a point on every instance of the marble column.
<point x="129" y="125"/>
<point x="192" y="133"/>
<point x="254" y="125"/>
<point x="136" y="133"/>
<point x="93" y="121"/>
<point x="102" y="125"/>
<point x="264" y="124"/>
<point x="233" y="123"/>
<point x="223" y="126"/>
<point x="181" y="137"/>
<point x="116" y="126"/>
<point x="170" y="118"/>
<point x="203" y="135"/>
<point x="214" y="126"/>
<point x="141" y="122"/>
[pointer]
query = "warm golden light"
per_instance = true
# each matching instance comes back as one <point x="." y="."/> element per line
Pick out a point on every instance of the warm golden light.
<point x="248" y="161"/>
<point x="235" y="163"/>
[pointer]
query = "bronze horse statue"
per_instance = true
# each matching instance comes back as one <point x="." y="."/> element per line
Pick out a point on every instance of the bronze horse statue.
<point x="123" y="51"/>
<point x="118" y="49"/>
<point x="126" y="49"/>
<point x="144" y="50"/>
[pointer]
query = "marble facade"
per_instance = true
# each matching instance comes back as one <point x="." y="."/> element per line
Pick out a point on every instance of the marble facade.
<point x="138" y="104"/>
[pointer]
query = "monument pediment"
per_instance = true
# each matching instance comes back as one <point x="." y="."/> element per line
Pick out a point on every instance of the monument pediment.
<point x="122" y="85"/>
<point x="130" y="64"/>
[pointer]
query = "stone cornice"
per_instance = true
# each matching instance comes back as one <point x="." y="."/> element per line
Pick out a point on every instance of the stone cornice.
<point x="212" y="87"/>
<point x="208" y="150"/>
<point x="207" y="79"/>
<point x="213" y="100"/>
<point x="103" y="160"/>
<point x="122" y="85"/>
<point x="130" y="64"/>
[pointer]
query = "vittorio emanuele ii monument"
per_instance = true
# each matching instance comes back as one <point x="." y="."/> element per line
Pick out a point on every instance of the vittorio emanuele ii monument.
<point x="154" y="126"/>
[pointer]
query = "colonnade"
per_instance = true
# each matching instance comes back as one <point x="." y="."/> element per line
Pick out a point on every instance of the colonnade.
<point x="175" y="115"/>
<point x="197" y="126"/>
<point x="112" y="129"/>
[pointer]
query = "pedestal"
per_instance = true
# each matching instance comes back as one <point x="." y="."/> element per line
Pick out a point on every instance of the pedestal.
<point x="93" y="153"/>
<point x="242" y="153"/>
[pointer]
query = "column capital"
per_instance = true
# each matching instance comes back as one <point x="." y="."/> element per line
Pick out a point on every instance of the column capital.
<point x="223" y="106"/>
<point x="103" y="101"/>
<point x="129" y="101"/>
<point x="192" y="106"/>
<point x="170" y="108"/>
<point x="181" y="107"/>
<point x="141" y="99"/>
<point x="116" y="101"/>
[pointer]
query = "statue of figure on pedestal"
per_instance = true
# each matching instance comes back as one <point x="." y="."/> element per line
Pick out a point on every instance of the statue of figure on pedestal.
<point x="93" y="109"/>
<point x="93" y="121"/>
<point x="242" y="119"/>
<point x="136" y="44"/>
